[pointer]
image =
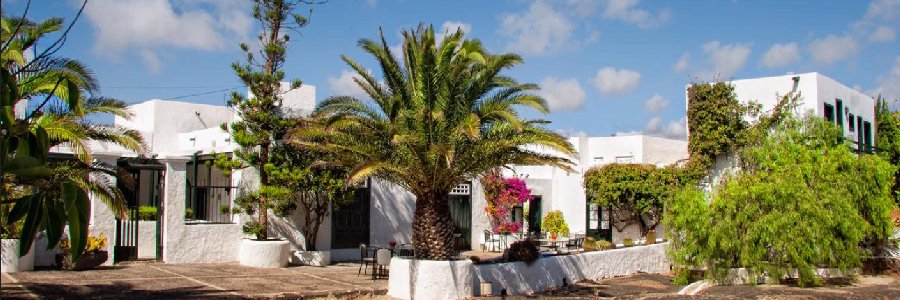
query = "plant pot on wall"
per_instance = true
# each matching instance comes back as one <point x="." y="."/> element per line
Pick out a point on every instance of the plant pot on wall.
<point x="651" y="237"/>
<point x="264" y="253"/>
<point x="628" y="242"/>
<point x="11" y="262"/>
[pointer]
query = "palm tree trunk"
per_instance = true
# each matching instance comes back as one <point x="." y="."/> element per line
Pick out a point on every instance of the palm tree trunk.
<point x="433" y="226"/>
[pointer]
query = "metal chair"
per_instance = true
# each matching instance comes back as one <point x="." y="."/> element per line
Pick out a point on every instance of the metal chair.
<point x="490" y="240"/>
<point x="364" y="259"/>
<point x="382" y="263"/>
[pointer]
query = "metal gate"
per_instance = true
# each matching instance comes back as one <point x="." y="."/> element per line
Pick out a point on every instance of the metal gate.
<point x="142" y="188"/>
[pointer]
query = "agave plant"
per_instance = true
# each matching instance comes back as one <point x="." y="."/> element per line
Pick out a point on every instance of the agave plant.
<point x="443" y="115"/>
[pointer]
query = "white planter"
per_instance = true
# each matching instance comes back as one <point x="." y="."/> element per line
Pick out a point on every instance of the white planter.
<point x="10" y="261"/>
<point x="430" y="279"/>
<point x="311" y="258"/>
<point x="147" y="239"/>
<point x="264" y="254"/>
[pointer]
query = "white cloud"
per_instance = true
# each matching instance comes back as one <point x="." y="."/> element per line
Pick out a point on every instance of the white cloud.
<point x="889" y="84"/>
<point x="656" y="103"/>
<point x="565" y="94"/>
<point x="683" y="63"/>
<point x="539" y="30"/>
<point x="151" y="60"/>
<point x="882" y="34"/>
<point x="610" y="81"/>
<point x="147" y="26"/>
<point x="625" y="10"/>
<point x="725" y="60"/>
<point x="674" y="129"/>
<point x="885" y="10"/>
<point x="344" y="85"/>
<point x="832" y="49"/>
<point x="780" y="55"/>
<point x="450" y="27"/>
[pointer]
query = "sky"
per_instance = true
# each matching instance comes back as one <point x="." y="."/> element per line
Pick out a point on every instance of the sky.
<point x="605" y="67"/>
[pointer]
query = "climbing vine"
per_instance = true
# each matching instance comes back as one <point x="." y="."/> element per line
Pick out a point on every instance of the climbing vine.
<point x="717" y="121"/>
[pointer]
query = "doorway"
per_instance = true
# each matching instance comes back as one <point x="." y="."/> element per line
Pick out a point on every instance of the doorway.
<point x="138" y="236"/>
<point x="598" y="225"/>
<point x="460" y="202"/>
<point x="350" y="221"/>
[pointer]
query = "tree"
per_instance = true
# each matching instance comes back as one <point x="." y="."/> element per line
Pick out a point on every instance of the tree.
<point x="36" y="192"/>
<point x="636" y="192"/>
<point x="802" y="200"/>
<point x="261" y="122"/>
<point x="444" y="114"/>
<point x="887" y="139"/>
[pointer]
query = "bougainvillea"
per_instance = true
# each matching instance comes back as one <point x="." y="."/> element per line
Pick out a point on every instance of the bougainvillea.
<point x="502" y="194"/>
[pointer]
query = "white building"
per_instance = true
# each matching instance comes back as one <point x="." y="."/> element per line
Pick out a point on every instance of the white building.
<point x="851" y="110"/>
<point x="193" y="197"/>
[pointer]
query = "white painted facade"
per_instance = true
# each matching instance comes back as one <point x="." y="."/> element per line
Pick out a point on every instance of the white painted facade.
<point x="817" y="93"/>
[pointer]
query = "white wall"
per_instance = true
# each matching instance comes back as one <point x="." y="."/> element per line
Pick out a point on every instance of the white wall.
<point x="162" y="120"/>
<point x="391" y="213"/>
<point x="183" y="243"/>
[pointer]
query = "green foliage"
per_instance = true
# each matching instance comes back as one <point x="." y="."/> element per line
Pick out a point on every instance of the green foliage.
<point x="589" y="244"/>
<point x="628" y="242"/>
<point x="802" y="200"/>
<point x="253" y="228"/>
<point x="716" y="120"/>
<point x="147" y="213"/>
<point x="188" y="213"/>
<point x="887" y="139"/>
<point x="636" y="192"/>
<point x="524" y="251"/>
<point x="604" y="245"/>
<point x="554" y="223"/>
<point x="37" y="193"/>
<point x="262" y="122"/>
<point x="443" y="113"/>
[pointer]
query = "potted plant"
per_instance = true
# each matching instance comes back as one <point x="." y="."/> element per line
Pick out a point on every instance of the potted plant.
<point x="604" y="245"/>
<point x="651" y="236"/>
<point x="628" y="242"/>
<point x="95" y="254"/>
<point x="555" y="224"/>
<point x="12" y="262"/>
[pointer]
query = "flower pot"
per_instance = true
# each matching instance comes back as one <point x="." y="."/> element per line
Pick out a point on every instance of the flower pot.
<point x="552" y="236"/>
<point x="651" y="237"/>
<point x="90" y="260"/>
<point x="264" y="253"/>
<point x="11" y="262"/>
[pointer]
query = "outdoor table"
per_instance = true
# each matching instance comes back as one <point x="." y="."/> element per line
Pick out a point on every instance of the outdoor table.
<point x="554" y="243"/>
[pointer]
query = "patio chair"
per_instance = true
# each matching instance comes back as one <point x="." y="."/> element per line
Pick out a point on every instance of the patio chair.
<point x="365" y="259"/>
<point x="490" y="240"/>
<point x="575" y="242"/>
<point x="382" y="263"/>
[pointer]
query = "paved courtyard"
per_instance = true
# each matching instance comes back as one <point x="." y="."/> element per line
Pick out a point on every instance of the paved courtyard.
<point x="166" y="281"/>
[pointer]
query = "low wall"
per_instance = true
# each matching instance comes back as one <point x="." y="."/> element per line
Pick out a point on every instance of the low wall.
<point x="147" y="239"/>
<point x="414" y="279"/>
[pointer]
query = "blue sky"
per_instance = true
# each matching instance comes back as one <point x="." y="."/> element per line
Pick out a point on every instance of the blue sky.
<point x="606" y="67"/>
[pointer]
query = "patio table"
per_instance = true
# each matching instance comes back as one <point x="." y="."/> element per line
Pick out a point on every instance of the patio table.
<point x="553" y="243"/>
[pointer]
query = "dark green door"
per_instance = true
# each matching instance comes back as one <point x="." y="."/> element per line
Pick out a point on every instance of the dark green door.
<point x="534" y="216"/>
<point x="461" y="213"/>
<point x="598" y="225"/>
<point x="350" y="222"/>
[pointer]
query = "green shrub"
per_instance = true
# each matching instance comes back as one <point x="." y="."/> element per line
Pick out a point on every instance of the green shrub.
<point x="802" y="200"/>
<point x="224" y="209"/>
<point x="589" y="244"/>
<point x="554" y="223"/>
<point x="628" y="242"/>
<point x="147" y="213"/>
<point x="604" y="245"/>
<point x="188" y="213"/>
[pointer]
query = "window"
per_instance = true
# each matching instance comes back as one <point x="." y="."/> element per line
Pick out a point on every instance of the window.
<point x="851" y="122"/>
<point x="867" y="137"/>
<point x="598" y="160"/>
<point x="625" y="159"/>
<point x="859" y="133"/>
<point x="209" y="190"/>
<point x="829" y="112"/>
<point x="839" y="114"/>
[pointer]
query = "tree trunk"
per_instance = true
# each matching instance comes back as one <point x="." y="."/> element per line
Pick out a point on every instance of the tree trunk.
<point x="433" y="226"/>
<point x="263" y="181"/>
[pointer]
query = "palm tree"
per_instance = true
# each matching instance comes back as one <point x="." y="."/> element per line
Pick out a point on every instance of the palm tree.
<point x="443" y="115"/>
